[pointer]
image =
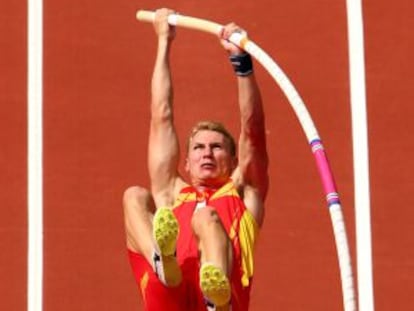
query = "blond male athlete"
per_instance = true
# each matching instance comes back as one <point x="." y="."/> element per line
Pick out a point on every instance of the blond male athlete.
<point x="190" y="244"/>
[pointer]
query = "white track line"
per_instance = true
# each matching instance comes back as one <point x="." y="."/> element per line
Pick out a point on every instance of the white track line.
<point x="360" y="154"/>
<point x="35" y="155"/>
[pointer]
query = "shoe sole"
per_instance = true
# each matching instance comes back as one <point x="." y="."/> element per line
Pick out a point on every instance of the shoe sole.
<point x="215" y="285"/>
<point x="165" y="231"/>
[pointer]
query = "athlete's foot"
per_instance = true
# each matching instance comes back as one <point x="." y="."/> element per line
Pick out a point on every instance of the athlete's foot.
<point x="165" y="233"/>
<point x="215" y="286"/>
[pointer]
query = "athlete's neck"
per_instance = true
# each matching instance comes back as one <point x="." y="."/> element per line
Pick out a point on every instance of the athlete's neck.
<point x="202" y="188"/>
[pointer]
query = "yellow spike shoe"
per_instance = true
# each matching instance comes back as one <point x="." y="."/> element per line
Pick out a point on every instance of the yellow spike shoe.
<point x="215" y="285"/>
<point x="165" y="233"/>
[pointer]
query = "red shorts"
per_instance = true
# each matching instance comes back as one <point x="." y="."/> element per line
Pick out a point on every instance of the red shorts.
<point x="157" y="297"/>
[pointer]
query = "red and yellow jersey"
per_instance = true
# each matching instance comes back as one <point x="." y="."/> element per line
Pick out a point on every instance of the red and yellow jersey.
<point x="239" y="224"/>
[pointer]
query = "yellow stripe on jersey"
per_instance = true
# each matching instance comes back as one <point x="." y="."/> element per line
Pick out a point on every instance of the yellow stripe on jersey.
<point x="185" y="197"/>
<point x="227" y="190"/>
<point x="248" y="232"/>
<point x="143" y="284"/>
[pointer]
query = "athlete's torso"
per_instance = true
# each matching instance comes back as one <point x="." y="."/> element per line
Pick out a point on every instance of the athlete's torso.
<point x="239" y="225"/>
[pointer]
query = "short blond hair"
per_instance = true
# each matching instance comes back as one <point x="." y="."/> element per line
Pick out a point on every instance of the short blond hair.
<point x="215" y="126"/>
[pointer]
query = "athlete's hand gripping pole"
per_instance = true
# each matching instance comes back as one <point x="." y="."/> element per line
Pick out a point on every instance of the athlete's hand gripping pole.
<point x="238" y="39"/>
<point x="308" y="127"/>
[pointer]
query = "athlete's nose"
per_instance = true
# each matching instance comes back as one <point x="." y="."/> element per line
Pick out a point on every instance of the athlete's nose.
<point x="208" y="151"/>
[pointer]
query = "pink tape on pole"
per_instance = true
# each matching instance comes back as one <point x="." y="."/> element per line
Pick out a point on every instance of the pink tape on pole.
<point x="325" y="172"/>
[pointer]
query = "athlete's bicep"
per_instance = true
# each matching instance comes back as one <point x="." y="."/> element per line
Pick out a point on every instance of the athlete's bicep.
<point x="253" y="162"/>
<point x="254" y="202"/>
<point x="253" y="195"/>
<point x="163" y="158"/>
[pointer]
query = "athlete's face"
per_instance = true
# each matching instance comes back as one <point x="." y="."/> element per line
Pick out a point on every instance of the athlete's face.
<point x="209" y="162"/>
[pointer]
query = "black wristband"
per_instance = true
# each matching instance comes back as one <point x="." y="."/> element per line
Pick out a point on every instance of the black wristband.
<point x="242" y="64"/>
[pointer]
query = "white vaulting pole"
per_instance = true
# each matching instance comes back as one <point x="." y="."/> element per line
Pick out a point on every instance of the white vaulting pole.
<point x="360" y="154"/>
<point x="35" y="155"/>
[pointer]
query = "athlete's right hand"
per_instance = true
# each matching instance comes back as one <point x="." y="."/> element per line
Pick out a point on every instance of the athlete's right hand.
<point x="161" y="26"/>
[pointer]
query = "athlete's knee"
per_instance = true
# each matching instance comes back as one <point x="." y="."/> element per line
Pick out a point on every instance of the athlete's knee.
<point x="135" y="198"/>
<point x="204" y="219"/>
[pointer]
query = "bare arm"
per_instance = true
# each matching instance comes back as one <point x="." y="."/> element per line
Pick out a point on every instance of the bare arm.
<point x="163" y="151"/>
<point x="252" y="172"/>
<point x="253" y="158"/>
